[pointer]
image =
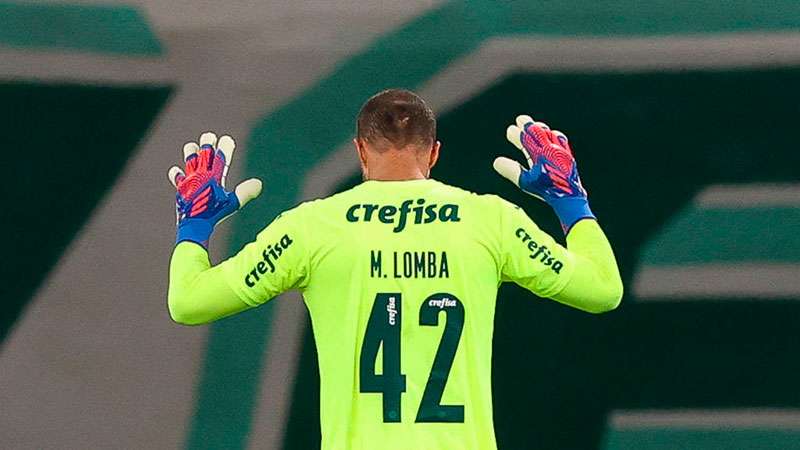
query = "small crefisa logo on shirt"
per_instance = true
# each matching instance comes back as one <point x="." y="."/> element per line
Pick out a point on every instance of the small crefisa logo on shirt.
<point x="539" y="252"/>
<point x="391" y="308"/>
<point x="269" y="256"/>
<point x="442" y="303"/>
<point x="410" y="211"/>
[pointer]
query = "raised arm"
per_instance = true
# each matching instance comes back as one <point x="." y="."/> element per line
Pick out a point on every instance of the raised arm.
<point x="199" y="293"/>
<point x="584" y="275"/>
<point x="595" y="285"/>
<point x="276" y="261"/>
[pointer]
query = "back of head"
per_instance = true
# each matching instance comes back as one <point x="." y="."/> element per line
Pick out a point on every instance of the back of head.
<point x="396" y="118"/>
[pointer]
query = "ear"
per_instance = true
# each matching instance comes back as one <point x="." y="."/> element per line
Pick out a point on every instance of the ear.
<point x="434" y="155"/>
<point x="361" y="150"/>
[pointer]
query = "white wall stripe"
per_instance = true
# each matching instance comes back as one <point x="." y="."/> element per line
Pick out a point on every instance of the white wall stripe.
<point x="749" y="195"/>
<point x="503" y="56"/>
<point x="706" y="419"/>
<point x="768" y="281"/>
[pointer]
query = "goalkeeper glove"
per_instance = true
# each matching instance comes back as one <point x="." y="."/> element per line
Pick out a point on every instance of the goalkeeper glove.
<point x="552" y="173"/>
<point x="202" y="201"/>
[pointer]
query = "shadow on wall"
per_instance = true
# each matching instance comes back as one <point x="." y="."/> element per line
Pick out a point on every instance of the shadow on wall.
<point x="54" y="179"/>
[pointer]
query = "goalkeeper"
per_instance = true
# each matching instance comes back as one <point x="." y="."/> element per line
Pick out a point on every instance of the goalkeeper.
<point x="399" y="274"/>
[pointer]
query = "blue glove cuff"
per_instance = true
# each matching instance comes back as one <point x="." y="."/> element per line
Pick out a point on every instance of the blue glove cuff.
<point x="570" y="210"/>
<point x="195" y="230"/>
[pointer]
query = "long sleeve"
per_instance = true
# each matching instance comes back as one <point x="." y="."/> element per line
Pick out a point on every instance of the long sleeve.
<point x="595" y="285"/>
<point x="276" y="261"/>
<point x="198" y="293"/>
<point x="583" y="275"/>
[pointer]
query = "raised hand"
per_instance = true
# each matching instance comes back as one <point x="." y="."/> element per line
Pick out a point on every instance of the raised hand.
<point x="552" y="173"/>
<point x="202" y="201"/>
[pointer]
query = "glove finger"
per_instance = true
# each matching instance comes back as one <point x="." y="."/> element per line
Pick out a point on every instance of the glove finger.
<point x="508" y="169"/>
<point x="208" y="142"/>
<point x="208" y="138"/>
<point x="189" y="149"/>
<point x="524" y="120"/>
<point x="562" y="140"/>
<point x="175" y="175"/>
<point x="247" y="190"/>
<point x="513" y="134"/>
<point x="226" y="146"/>
<point x="561" y="137"/>
<point x="539" y="130"/>
<point x="535" y="137"/>
<point x="548" y="133"/>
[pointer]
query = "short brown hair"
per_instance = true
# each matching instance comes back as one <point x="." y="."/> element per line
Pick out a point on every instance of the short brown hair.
<point x="397" y="116"/>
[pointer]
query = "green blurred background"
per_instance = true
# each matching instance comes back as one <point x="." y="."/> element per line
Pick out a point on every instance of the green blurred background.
<point x="667" y="105"/>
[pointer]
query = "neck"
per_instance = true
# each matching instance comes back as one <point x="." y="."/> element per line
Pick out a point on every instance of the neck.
<point x="396" y="165"/>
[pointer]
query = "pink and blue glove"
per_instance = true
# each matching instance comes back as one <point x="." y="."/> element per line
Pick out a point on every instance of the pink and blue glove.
<point x="552" y="173"/>
<point x="202" y="201"/>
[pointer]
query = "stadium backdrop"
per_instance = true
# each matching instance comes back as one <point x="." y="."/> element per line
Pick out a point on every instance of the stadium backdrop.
<point x="682" y="119"/>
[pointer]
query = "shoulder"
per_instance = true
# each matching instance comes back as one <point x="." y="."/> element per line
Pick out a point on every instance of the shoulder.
<point x="319" y="204"/>
<point x="490" y="201"/>
<point x="319" y="207"/>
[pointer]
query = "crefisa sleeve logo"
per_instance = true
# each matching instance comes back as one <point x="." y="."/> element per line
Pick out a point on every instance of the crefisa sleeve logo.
<point x="539" y="252"/>
<point x="399" y="216"/>
<point x="269" y="258"/>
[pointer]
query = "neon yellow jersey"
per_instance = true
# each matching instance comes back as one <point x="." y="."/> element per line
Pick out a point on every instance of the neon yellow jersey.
<point x="401" y="279"/>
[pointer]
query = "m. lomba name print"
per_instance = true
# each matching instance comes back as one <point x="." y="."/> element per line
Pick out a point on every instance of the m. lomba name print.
<point x="409" y="264"/>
